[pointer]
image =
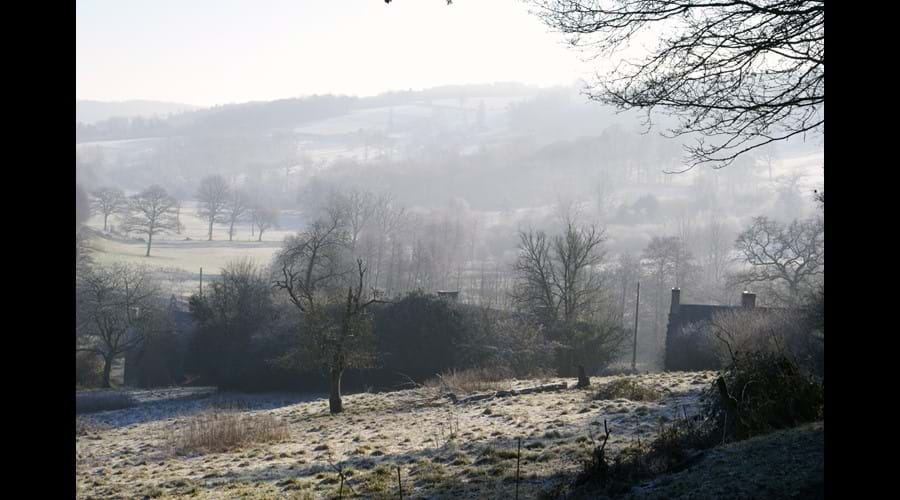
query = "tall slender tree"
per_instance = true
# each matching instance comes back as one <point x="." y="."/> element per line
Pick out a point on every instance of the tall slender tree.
<point x="214" y="195"/>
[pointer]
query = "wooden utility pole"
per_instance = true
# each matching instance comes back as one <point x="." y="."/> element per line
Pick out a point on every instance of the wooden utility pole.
<point x="637" y="303"/>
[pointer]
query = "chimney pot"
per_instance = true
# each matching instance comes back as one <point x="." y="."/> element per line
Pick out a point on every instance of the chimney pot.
<point x="676" y="301"/>
<point x="748" y="299"/>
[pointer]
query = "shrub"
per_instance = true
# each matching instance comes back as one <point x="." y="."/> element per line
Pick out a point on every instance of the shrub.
<point x="692" y="348"/>
<point x="420" y="335"/>
<point x="216" y="431"/>
<point x="158" y="362"/>
<point x="785" y="333"/>
<point x="674" y="447"/>
<point x="627" y="388"/>
<point x="94" y="401"/>
<point x="765" y="391"/>
<point x="594" y="345"/>
<point x="513" y="343"/>
<point x="88" y="370"/>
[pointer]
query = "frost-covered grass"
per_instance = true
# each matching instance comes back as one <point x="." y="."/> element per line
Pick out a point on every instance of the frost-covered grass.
<point x="443" y="450"/>
<point x="759" y="467"/>
<point x="94" y="401"/>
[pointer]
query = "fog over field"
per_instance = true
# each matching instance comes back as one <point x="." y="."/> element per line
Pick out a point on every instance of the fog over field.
<point x="488" y="159"/>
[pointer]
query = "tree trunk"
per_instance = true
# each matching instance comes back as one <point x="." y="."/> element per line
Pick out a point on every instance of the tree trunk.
<point x="231" y="231"/>
<point x="583" y="380"/>
<point x="107" y="368"/>
<point x="149" y="241"/>
<point x="260" y="235"/>
<point x="105" y="216"/>
<point x="210" y="229"/>
<point x="334" y="401"/>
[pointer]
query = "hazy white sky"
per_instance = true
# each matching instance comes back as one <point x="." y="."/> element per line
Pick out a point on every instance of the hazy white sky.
<point x="207" y="52"/>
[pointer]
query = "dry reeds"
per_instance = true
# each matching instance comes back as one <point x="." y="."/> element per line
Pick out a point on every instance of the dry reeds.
<point x="220" y="431"/>
<point x="471" y="380"/>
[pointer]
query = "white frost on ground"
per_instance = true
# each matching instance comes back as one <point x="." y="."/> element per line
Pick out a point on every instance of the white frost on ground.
<point x="130" y="454"/>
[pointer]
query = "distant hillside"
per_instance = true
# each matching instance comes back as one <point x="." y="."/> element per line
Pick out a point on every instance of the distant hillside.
<point x="101" y="121"/>
<point x="96" y="111"/>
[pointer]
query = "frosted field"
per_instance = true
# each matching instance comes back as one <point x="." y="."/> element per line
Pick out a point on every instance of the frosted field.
<point x="179" y="257"/>
<point x="128" y="453"/>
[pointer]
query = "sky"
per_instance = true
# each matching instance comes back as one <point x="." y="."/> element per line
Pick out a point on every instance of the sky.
<point x="210" y="52"/>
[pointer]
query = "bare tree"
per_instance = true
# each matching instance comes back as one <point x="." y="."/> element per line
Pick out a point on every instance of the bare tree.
<point x="114" y="306"/>
<point x="179" y="227"/>
<point x="626" y="275"/>
<point x="108" y="201"/>
<point x="263" y="218"/>
<point x="560" y="283"/>
<point x="741" y="74"/>
<point x="314" y="271"/>
<point x="235" y="209"/>
<point x="668" y="264"/>
<point x="151" y="212"/>
<point x="716" y="245"/>
<point x="214" y="195"/>
<point x="787" y="259"/>
<point x="358" y="207"/>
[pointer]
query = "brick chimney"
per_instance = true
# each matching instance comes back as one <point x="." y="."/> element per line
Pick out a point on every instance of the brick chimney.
<point x="748" y="299"/>
<point x="676" y="301"/>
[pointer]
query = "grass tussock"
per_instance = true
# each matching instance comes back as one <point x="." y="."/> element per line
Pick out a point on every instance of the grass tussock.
<point x="96" y="401"/>
<point x="215" y="432"/>
<point x="471" y="380"/>
<point x="626" y="388"/>
<point x="87" y="426"/>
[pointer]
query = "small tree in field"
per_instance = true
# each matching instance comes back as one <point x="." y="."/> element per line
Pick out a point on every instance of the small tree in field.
<point x="108" y="201"/>
<point x="151" y="212"/>
<point x="235" y="209"/>
<point x="213" y="195"/>
<point x="263" y="218"/>
<point x="314" y="270"/>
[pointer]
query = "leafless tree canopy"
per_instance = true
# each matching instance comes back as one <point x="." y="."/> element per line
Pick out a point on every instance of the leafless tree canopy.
<point x="236" y="208"/>
<point x="741" y="74"/>
<point x="214" y="195"/>
<point x="263" y="218"/>
<point x="114" y="305"/>
<point x="108" y="201"/>
<point x="315" y="269"/>
<point x="558" y="275"/>
<point x="151" y="212"/>
<point x="786" y="260"/>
